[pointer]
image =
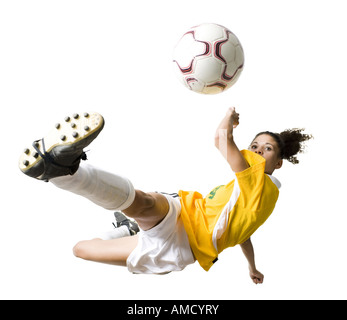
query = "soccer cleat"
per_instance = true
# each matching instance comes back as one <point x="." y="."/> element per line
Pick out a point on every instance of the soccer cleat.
<point x="122" y="220"/>
<point x="60" y="152"/>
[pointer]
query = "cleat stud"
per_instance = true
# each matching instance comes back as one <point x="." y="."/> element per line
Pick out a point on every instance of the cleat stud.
<point x="73" y="125"/>
<point x="35" y="155"/>
<point x="57" y="126"/>
<point x="86" y="114"/>
<point x="75" y="134"/>
<point x="86" y="128"/>
<point x="26" y="151"/>
<point x="62" y="137"/>
<point x="67" y="119"/>
<point x="37" y="144"/>
<point x="26" y="162"/>
<point x="76" y="115"/>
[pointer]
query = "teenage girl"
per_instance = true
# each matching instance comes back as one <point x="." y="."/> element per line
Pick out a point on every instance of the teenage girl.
<point x="175" y="229"/>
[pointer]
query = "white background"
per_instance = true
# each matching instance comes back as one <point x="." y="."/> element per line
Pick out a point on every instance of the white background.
<point x="115" y="57"/>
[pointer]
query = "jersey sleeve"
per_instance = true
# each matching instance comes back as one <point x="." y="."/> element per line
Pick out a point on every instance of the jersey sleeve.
<point x="251" y="181"/>
<point x="257" y="198"/>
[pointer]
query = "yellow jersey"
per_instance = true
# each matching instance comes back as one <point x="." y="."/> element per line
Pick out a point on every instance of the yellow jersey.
<point x="231" y="213"/>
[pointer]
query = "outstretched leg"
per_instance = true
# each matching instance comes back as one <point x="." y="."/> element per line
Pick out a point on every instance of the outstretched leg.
<point x="57" y="156"/>
<point x="114" y="192"/>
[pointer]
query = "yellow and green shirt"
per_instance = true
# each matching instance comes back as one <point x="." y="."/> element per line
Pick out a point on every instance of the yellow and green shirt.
<point x="231" y="213"/>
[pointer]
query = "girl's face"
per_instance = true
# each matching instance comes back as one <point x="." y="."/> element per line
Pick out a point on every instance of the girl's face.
<point x="267" y="147"/>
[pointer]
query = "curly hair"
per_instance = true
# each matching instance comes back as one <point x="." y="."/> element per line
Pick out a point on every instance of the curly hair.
<point x="290" y="143"/>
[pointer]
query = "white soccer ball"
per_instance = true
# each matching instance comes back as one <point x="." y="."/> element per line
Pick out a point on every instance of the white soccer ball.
<point x="208" y="58"/>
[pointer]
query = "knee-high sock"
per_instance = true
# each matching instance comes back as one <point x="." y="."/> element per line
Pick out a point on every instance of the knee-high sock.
<point x="115" y="233"/>
<point x="108" y="190"/>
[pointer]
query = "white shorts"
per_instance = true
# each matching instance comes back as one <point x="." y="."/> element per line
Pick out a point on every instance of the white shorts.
<point x="165" y="247"/>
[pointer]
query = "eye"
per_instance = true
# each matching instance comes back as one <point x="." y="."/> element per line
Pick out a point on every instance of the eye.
<point x="253" y="147"/>
<point x="268" y="149"/>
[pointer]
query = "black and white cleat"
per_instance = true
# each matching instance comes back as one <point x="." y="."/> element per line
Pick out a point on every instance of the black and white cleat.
<point x="59" y="153"/>
<point x="123" y="220"/>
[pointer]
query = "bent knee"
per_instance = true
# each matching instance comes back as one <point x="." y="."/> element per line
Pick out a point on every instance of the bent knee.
<point x="143" y="202"/>
<point x="80" y="250"/>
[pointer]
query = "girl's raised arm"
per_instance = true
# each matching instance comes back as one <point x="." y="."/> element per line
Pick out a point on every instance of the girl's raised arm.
<point x="224" y="141"/>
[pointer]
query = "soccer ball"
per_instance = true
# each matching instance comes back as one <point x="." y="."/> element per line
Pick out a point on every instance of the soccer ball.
<point x="208" y="58"/>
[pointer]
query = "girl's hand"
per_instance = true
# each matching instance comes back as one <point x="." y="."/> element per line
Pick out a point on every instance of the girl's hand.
<point x="256" y="276"/>
<point x="224" y="141"/>
<point x="233" y="121"/>
<point x="234" y="117"/>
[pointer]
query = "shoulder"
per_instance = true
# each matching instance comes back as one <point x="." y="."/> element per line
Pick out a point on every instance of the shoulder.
<point x="276" y="182"/>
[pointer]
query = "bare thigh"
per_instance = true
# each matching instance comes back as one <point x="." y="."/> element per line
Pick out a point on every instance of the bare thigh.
<point x="115" y="251"/>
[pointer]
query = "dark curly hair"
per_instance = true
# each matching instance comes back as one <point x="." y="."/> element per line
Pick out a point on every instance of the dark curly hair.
<point x="290" y="143"/>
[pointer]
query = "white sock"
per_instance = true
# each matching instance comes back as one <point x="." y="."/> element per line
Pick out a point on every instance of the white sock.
<point x="116" y="233"/>
<point x="108" y="190"/>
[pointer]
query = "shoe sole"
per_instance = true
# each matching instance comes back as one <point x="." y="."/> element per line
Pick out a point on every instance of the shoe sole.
<point x="74" y="131"/>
